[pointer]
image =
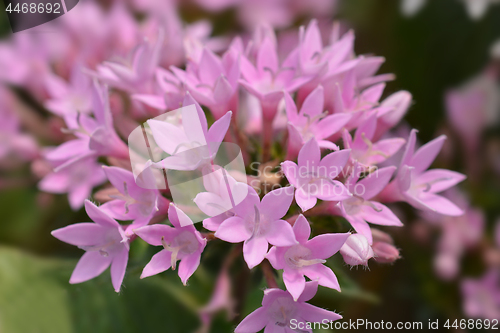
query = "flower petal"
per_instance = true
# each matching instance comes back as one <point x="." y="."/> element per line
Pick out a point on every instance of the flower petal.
<point x="90" y="265"/>
<point x="302" y="229"/>
<point x="326" y="245"/>
<point x="309" y="155"/>
<point x="294" y="282"/>
<point x="152" y="234"/>
<point x="188" y="266"/>
<point x="276" y="203"/>
<point x="324" y="275"/>
<point x="118" y="268"/>
<point x="254" y="251"/>
<point x="160" y="262"/>
<point x="99" y="217"/>
<point x="233" y="230"/>
<point x="254" y="322"/>
<point x="280" y="233"/>
<point x="80" y="234"/>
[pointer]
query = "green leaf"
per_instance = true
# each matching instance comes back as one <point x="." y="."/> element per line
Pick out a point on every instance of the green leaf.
<point x="35" y="296"/>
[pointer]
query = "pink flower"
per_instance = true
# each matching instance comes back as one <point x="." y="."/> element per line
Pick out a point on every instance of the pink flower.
<point x="136" y="74"/>
<point x="356" y="250"/>
<point x="364" y="150"/>
<point x="105" y="244"/>
<point x="385" y="253"/>
<point x="417" y="186"/>
<point x="95" y="136"/>
<point x="307" y="258"/>
<point x="280" y="313"/>
<point x="69" y="97"/>
<point x="311" y="122"/>
<point x="267" y="79"/>
<point x="314" y="177"/>
<point x="223" y="194"/>
<point x="359" y="209"/>
<point x="482" y="296"/>
<point x="182" y="242"/>
<point x="191" y="144"/>
<point x="214" y="81"/>
<point x="258" y="224"/>
<point x="393" y="109"/>
<point x="133" y="203"/>
<point x="77" y="180"/>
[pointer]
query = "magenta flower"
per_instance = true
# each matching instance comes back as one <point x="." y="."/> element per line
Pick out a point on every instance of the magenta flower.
<point x="267" y="79"/>
<point x="105" y="244"/>
<point x="182" y="242"/>
<point x="356" y="250"/>
<point x="417" y="186"/>
<point x="394" y="109"/>
<point x="133" y="203"/>
<point x="72" y="96"/>
<point x="314" y="177"/>
<point x="281" y="314"/>
<point x="324" y="62"/>
<point x="311" y="122"/>
<point x="223" y="194"/>
<point x="359" y="209"/>
<point x="258" y="224"/>
<point x="136" y="74"/>
<point x="94" y="136"/>
<point x="190" y="144"/>
<point x="77" y="180"/>
<point x="213" y="81"/>
<point x="364" y="150"/>
<point x="306" y="258"/>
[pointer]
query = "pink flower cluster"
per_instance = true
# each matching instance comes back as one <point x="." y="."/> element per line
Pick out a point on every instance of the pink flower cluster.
<point x="314" y="94"/>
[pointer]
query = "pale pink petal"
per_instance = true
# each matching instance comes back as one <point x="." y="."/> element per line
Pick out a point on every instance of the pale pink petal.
<point x="188" y="266"/>
<point x="331" y="124"/>
<point x="254" y="251"/>
<point x="167" y="136"/>
<point x="294" y="282"/>
<point x="291" y="171"/>
<point x="309" y="292"/>
<point x="424" y="157"/>
<point x="177" y="217"/>
<point x="152" y="234"/>
<point x="305" y="200"/>
<point x="439" y="204"/>
<point x="118" y="268"/>
<point x="302" y="229"/>
<point x="312" y="313"/>
<point x="382" y="215"/>
<point x="218" y="130"/>
<point x="280" y="233"/>
<point x="210" y="67"/>
<point x="309" y="155"/>
<point x="267" y="58"/>
<point x="233" y="230"/>
<point x="80" y="234"/>
<point x="276" y="203"/>
<point x="90" y="265"/>
<point x="254" y="322"/>
<point x="361" y="226"/>
<point x="374" y="183"/>
<point x="78" y="195"/>
<point x="290" y="108"/>
<point x="99" y="217"/>
<point x="160" y="262"/>
<point x="326" y="245"/>
<point x="323" y="275"/>
<point x="438" y="180"/>
<point x="313" y="104"/>
<point x="332" y="164"/>
<point x="275" y="257"/>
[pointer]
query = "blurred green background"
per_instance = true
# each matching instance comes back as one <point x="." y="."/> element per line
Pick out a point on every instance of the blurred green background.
<point x="437" y="49"/>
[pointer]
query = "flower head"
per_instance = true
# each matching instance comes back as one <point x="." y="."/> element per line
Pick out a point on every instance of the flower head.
<point x="105" y="244"/>
<point x="314" y="177"/>
<point x="180" y="242"/>
<point x="307" y="258"/>
<point x="280" y="313"/>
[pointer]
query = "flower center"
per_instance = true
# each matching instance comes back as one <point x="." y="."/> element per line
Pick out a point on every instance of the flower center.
<point x="298" y="256"/>
<point x="183" y="244"/>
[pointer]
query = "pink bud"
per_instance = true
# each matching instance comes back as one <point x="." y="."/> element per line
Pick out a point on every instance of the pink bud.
<point x="385" y="253"/>
<point x="356" y="250"/>
<point x="446" y="266"/>
<point x="380" y="236"/>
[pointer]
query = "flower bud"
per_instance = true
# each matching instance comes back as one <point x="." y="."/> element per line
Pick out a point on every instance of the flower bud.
<point x="380" y="236"/>
<point x="385" y="253"/>
<point x="356" y="250"/>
